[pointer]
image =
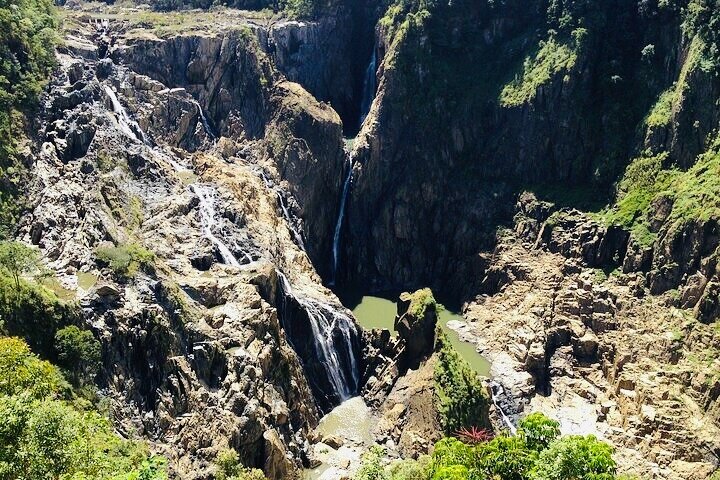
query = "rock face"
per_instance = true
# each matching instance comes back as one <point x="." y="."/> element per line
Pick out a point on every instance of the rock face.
<point x="234" y="84"/>
<point x="440" y="146"/>
<point x="596" y="351"/>
<point x="176" y="146"/>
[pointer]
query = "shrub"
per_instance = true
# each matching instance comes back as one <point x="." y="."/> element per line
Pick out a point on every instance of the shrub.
<point x="21" y="371"/>
<point x="410" y="469"/>
<point x="125" y="260"/>
<point x="44" y="437"/>
<point x="35" y="313"/>
<point x="460" y="396"/>
<point x="229" y="467"/>
<point x="79" y="352"/>
<point x="27" y="37"/>
<point x="576" y="457"/>
<point x="371" y="467"/>
<point x="474" y="435"/>
<point x="18" y="259"/>
<point x="506" y="457"/>
<point x="538" y="431"/>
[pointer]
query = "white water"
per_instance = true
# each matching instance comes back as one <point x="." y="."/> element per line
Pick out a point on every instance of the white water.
<point x="368" y="95"/>
<point x="289" y="220"/>
<point x="208" y="220"/>
<point x="369" y="87"/>
<point x="297" y="234"/>
<point x="324" y="320"/>
<point x="495" y="390"/>
<point x="339" y="223"/>
<point x="124" y="121"/>
<point x="203" y="119"/>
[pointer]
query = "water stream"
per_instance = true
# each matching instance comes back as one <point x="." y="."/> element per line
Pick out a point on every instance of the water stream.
<point x="208" y="220"/>
<point x="204" y="120"/>
<point x="369" y="87"/>
<point x="368" y="95"/>
<point x="339" y="223"/>
<point x="127" y="125"/>
<point x="325" y="320"/>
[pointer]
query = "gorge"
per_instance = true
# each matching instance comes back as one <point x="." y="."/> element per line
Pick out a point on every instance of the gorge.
<point x="354" y="239"/>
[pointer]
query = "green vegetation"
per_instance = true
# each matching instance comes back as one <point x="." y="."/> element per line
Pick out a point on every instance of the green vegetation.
<point x="460" y="396"/>
<point x="229" y="468"/>
<point x="537" y="452"/>
<point x="553" y="57"/>
<point x="420" y="301"/>
<point x="44" y="435"/>
<point x="18" y="259"/>
<point x="661" y="113"/>
<point x="79" y="352"/>
<point x="692" y="195"/>
<point x="126" y="260"/>
<point x="27" y="37"/>
<point x="35" y="313"/>
<point x="702" y="19"/>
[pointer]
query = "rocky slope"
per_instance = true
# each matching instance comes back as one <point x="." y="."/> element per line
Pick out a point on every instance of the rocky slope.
<point x="183" y="147"/>
<point x="193" y="161"/>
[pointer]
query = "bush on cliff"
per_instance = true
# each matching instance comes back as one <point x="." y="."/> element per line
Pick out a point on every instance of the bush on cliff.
<point x="27" y="36"/>
<point x="537" y="452"/>
<point x="126" y="260"/>
<point x="35" y="313"/>
<point x="45" y="435"/>
<point x="229" y="467"/>
<point x="460" y="396"/>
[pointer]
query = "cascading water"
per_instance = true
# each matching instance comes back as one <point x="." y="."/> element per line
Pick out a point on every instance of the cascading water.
<point x="369" y="87"/>
<point x="208" y="197"/>
<point x="127" y="125"/>
<point x="368" y="95"/>
<point x="339" y="223"/>
<point x="496" y="389"/>
<point x="204" y="120"/>
<point x="291" y="220"/>
<point x="325" y="322"/>
<point x="206" y="194"/>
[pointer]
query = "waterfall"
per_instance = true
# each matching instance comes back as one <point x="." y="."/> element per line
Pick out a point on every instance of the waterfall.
<point x="339" y="223"/>
<point x="369" y="87"/>
<point x="204" y="120"/>
<point x="127" y="125"/>
<point x="289" y="218"/>
<point x="208" y="220"/>
<point x="324" y="322"/>
<point x="496" y="389"/>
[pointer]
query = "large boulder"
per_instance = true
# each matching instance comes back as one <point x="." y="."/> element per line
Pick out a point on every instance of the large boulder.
<point x="415" y="323"/>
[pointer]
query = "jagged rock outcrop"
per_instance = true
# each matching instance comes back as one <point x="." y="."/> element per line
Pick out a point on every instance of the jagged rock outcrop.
<point x="197" y="346"/>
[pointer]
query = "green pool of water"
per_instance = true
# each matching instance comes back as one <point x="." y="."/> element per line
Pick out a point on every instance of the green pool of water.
<point x="377" y="312"/>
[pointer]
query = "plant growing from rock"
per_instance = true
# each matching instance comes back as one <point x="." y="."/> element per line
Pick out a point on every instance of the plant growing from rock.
<point x="229" y="467"/>
<point x="79" y="352"/>
<point x="126" y="260"/>
<point x="18" y="259"/>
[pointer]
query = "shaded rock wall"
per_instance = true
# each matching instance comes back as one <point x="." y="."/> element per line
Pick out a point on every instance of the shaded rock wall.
<point x="443" y="153"/>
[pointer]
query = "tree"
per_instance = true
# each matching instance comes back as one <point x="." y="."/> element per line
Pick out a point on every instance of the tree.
<point x="23" y="372"/>
<point x="538" y="431"/>
<point x="79" y="352"/>
<point x="371" y="467"/>
<point x="506" y="457"/>
<point x="229" y="467"/>
<point x="576" y="457"/>
<point x="18" y="259"/>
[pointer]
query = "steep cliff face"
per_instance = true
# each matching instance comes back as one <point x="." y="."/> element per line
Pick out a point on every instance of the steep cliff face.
<point x="169" y="189"/>
<point x="517" y="95"/>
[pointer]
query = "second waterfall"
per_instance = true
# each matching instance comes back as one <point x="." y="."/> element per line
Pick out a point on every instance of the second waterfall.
<point x="368" y="95"/>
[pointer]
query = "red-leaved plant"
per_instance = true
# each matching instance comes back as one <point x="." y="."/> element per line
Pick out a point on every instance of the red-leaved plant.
<point x="474" y="435"/>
